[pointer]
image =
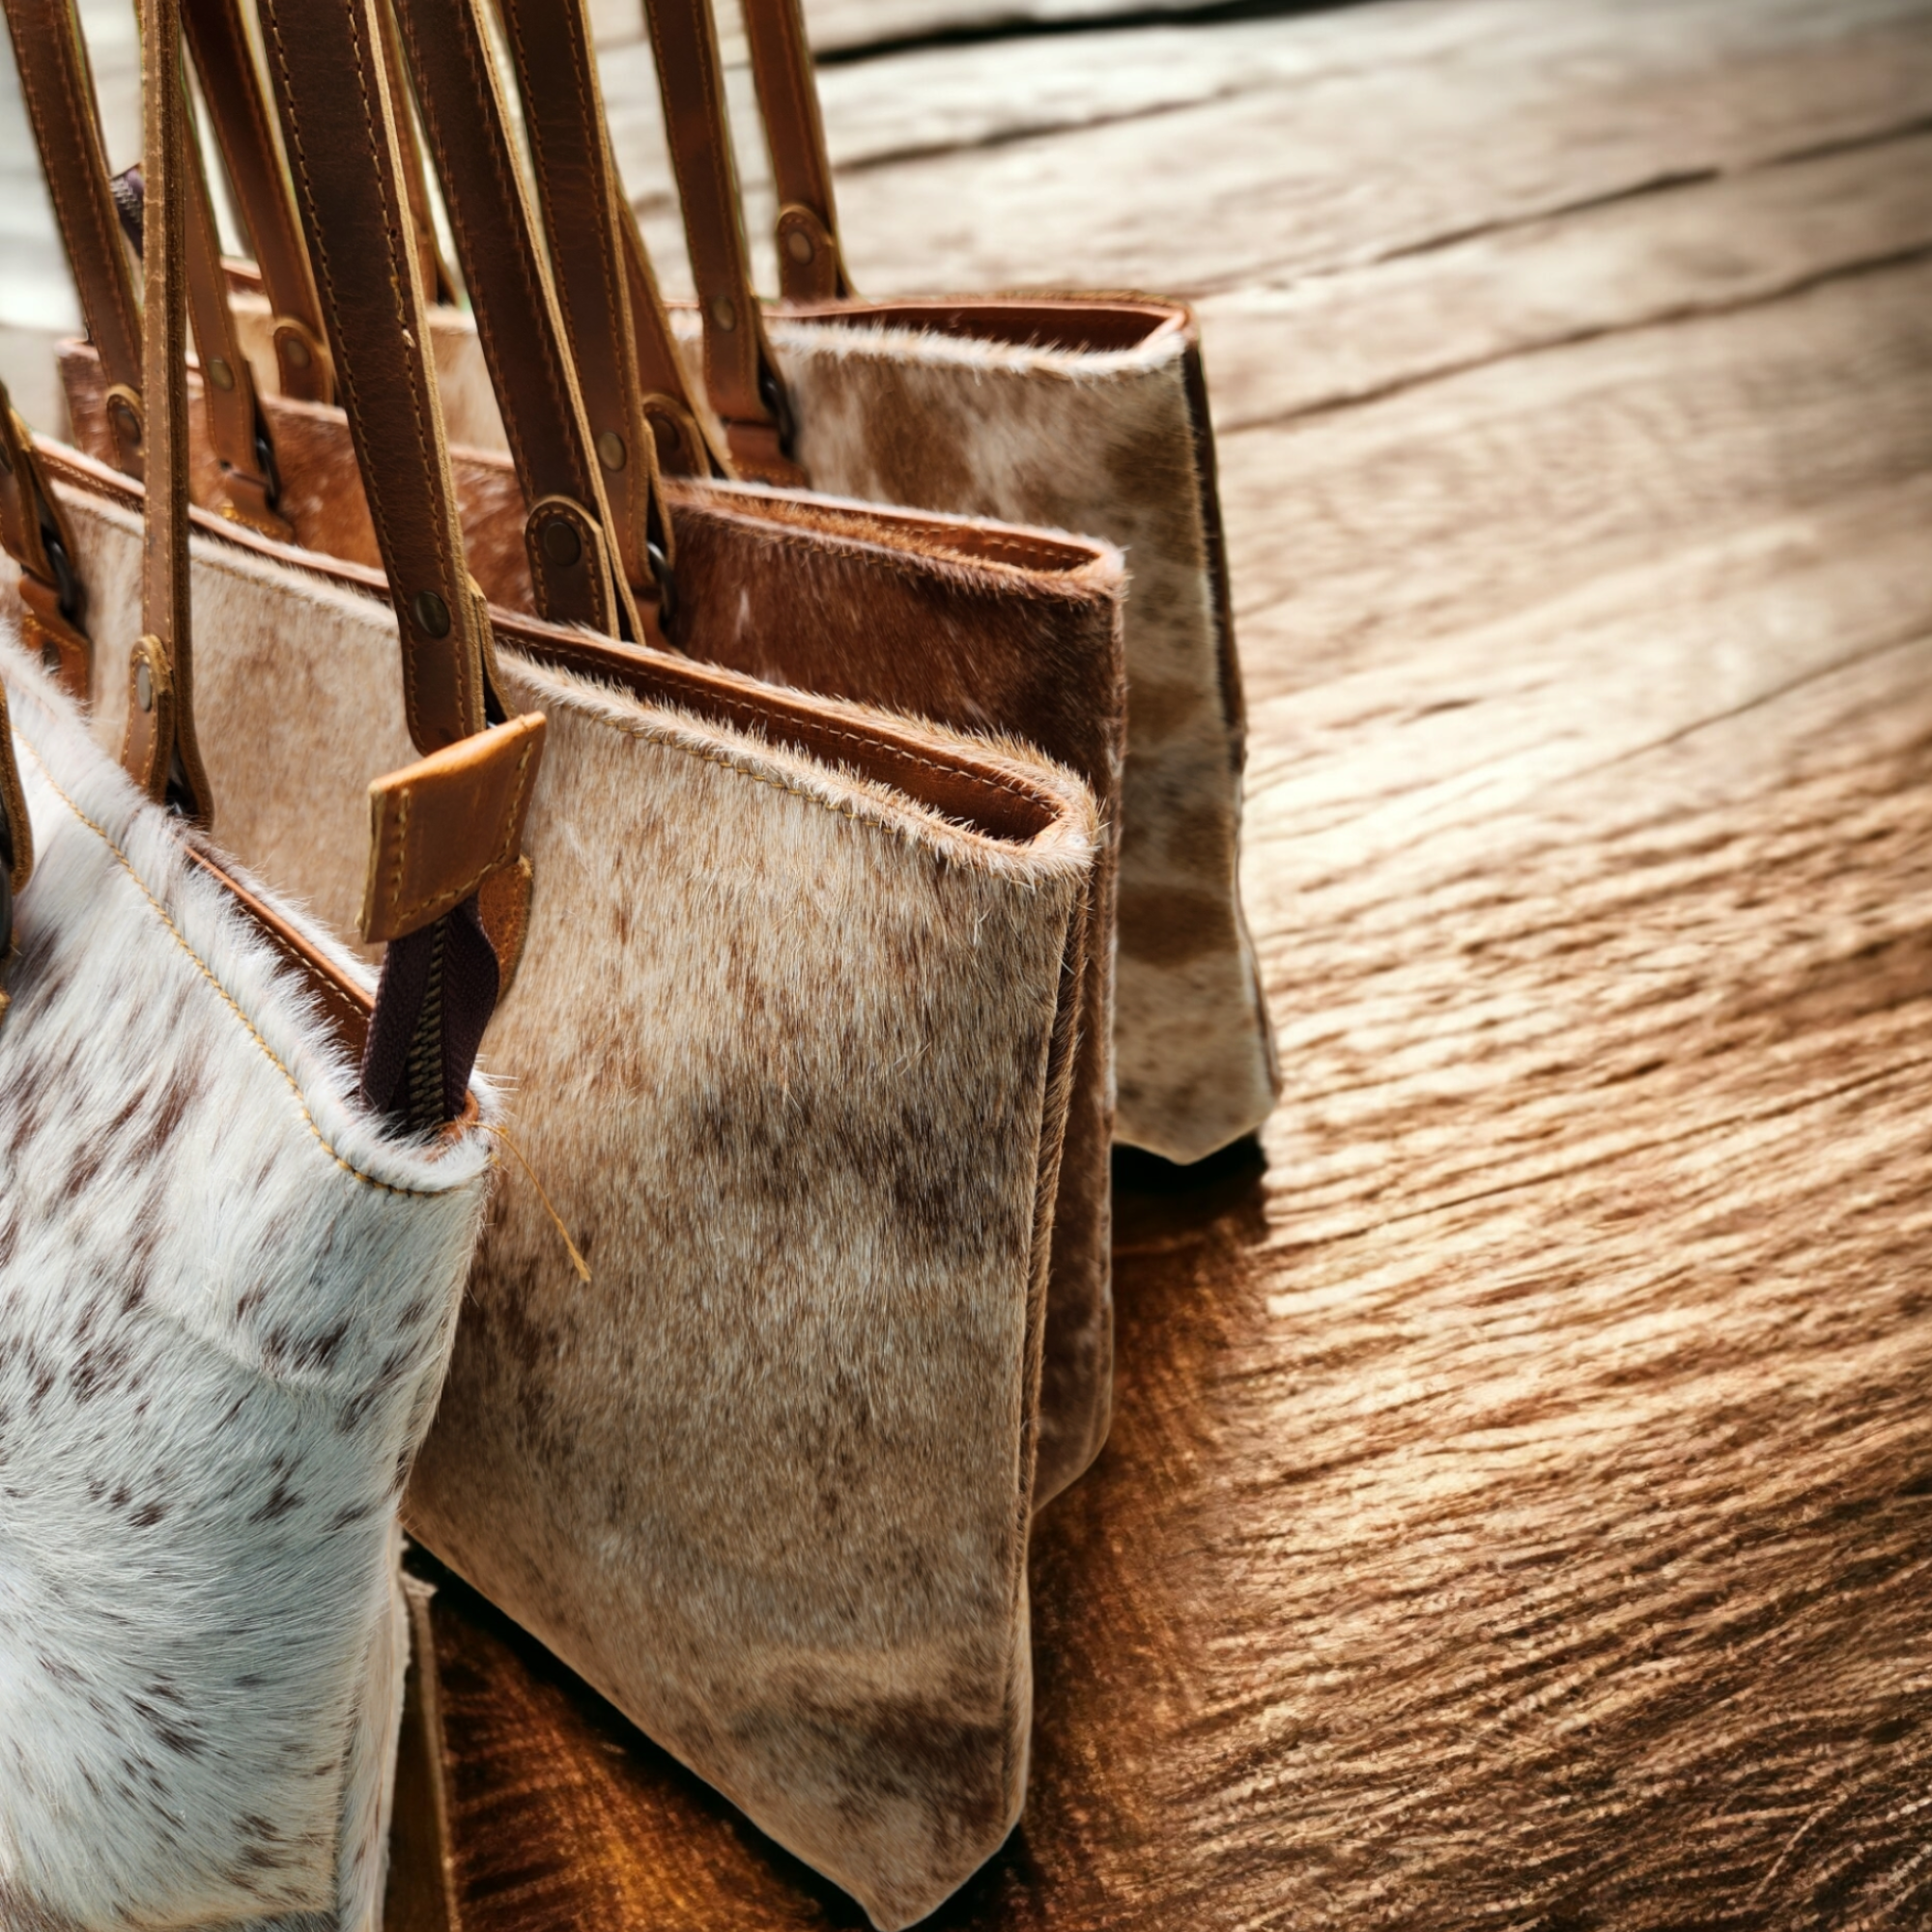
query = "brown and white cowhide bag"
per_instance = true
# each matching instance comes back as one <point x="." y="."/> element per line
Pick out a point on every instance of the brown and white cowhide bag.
<point x="227" y="1299"/>
<point x="789" y="1048"/>
<point x="1080" y="414"/>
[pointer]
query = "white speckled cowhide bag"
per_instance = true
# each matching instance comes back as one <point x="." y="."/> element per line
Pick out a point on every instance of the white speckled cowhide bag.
<point x="230" y="1273"/>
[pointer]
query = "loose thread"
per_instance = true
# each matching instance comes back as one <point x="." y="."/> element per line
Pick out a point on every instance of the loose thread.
<point x="577" y="1260"/>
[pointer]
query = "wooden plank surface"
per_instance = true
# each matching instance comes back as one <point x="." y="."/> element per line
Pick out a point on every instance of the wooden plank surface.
<point x="1519" y="1511"/>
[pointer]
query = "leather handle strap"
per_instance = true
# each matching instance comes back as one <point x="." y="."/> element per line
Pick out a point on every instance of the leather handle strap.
<point x="739" y="372"/>
<point x="327" y="67"/>
<point x="613" y="317"/>
<point x="811" y="267"/>
<point x="570" y="527"/>
<point x="159" y="751"/>
<point x="217" y="38"/>
<point x="58" y="85"/>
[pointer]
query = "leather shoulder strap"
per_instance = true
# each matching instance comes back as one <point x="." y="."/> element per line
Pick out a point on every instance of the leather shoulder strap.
<point x="812" y="268"/>
<point x="739" y="371"/>
<point x="217" y="38"/>
<point x="158" y="750"/>
<point x="569" y="526"/>
<point x="325" y="64"/>
<point x="59" y="89"/>
<point x="626" y="357"/>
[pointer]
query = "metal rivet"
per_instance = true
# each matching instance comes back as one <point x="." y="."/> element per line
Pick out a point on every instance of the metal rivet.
<point x="560" y="542"/>
<point x="724" y="313"/>
<point x="432" y="613"/>
<point x="220" y="375"/>
<point x="798" y="245"/>
<point x="144" y="687"/>
<point x="611" y="450"/>
<point x="295" y="351"/>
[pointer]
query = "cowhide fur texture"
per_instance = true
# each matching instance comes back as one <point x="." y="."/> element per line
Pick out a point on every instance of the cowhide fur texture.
<point x="1110" y="442"/>
<point x="227" y="1299"/>
<point x="789" y="1049"/>
<point x="980" y="626"/>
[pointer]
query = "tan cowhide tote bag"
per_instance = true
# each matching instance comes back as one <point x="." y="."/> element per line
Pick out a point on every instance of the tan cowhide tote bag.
<point x="792" y="1040"/>
<point x="229" y="1275"/>
<point x="980" y="626"/>
<point x="1074" y="411"/>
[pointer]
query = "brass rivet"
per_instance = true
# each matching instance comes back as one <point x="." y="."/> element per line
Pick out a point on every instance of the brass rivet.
<point x="611" y="450"/>
<point x="724" y="313"/>
<point x="222" y="375"/>
<point x="560" y="542"/>
<point x="798" y="245"/>
<point x="296" y="349"/>
<point x="144" y="687"/>
<point x="432" y="613"/>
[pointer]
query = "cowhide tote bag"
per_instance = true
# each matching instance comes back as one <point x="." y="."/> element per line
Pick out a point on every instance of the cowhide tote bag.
<point x="795" y="1076"/>
<point x="1070" y="411"/>
<point x="231" y="1263"/>
<point x="980" y="626"/>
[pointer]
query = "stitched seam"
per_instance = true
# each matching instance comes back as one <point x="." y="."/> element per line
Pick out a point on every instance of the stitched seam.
<point x="345" y="376"/>
<point x="76" y="124"/>
<point x="1016" y="789"/>
<point x="206" y="973"/>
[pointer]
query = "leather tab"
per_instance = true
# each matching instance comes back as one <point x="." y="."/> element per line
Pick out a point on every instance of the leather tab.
<point x="570" y="566"/>
<point x="811" y="265"/>
<point x="442" y="827"/>
<point x="217" y="38"/>
<point x="58" y="85"/>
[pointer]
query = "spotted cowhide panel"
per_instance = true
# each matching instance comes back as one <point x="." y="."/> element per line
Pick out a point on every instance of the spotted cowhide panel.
<point x="227" y="1298"/>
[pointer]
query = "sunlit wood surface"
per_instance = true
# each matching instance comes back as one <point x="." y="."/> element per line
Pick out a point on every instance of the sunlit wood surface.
<point x="1518" y="1511"/>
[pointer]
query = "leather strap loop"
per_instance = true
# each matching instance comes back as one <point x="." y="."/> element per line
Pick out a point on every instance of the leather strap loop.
<point x="160" y="751"/>
<point x="217" y="38"/>
<point x="811" y="265"/>
<point x="613" y="317"/>
<point x="739" y="371"/>
<point x="59" y="89"/>
<point x="329" y="73"/>
<point x="517" y="318"/>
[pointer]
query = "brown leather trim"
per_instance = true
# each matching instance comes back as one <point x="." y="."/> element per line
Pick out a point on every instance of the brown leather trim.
<point x="327" y="69"/>
<point x="442" y="826"/>
<point x="811" y="267"/>
<point x="686" y="445"/>
<point x="1096" y="323"/>
<point x="58" y="86"/>
<point x="217" y="38"/>
<point x="517" y="318"/>
<point x="20" y="821"/>
<point x="439" y="284"/>
<point x="34" y="533"/>
<point x="344" y="1004"/>
<point x="739" y="373"/>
